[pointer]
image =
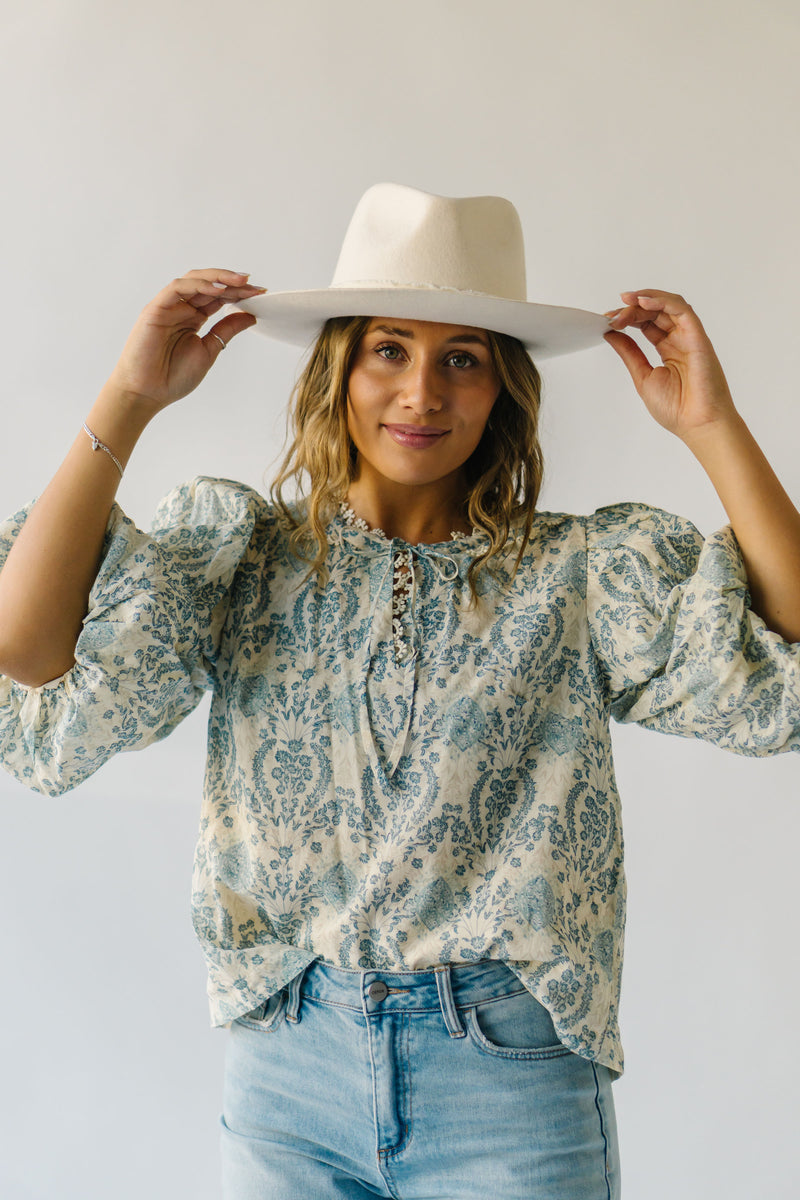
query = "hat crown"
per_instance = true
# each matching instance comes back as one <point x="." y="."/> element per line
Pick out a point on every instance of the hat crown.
<point x="401" y="236"/>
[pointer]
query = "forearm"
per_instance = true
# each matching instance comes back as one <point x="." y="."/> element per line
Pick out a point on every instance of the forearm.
<point x="45" y="583"/>
<point x="764" y="519"/>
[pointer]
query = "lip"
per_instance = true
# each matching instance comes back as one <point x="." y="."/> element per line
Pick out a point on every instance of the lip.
<point x="416" y="436"/>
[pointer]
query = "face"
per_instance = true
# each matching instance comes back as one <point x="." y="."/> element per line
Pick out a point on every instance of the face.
<point x="419" y="397"/>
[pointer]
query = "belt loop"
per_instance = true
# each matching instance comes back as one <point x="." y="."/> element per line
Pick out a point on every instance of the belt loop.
<point x="449" y="1011"/>
<point x="293" y="998"/>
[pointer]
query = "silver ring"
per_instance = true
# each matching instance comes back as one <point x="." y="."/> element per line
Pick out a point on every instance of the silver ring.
<point x="219" y="339"/>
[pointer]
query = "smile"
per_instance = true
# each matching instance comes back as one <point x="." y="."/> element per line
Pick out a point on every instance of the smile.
<point x="416" y="436"/>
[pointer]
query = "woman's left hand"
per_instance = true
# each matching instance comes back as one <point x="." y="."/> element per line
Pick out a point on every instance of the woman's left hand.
<point x="688" y="390"/>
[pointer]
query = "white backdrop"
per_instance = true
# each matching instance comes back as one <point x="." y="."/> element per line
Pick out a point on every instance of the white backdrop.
<point x="645" y="145"/>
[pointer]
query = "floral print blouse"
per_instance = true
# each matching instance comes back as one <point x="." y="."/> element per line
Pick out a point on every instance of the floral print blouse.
<point x="386" y="804"/>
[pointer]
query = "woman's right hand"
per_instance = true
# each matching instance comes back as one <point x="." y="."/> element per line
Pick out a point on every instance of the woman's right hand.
<point x="165" y="357"/>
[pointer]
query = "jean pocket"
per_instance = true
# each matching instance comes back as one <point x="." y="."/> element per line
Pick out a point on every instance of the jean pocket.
<point x="515" y="1026"/>
<point x="268" y="1016"/>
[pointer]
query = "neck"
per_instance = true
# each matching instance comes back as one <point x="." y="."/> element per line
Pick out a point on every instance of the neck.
<point x="413" y="514"/>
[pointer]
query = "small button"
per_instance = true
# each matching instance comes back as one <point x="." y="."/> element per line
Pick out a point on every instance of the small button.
<point x="377" y="990"/>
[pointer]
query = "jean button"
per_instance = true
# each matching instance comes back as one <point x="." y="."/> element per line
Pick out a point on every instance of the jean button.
<point x="378" y="990"/>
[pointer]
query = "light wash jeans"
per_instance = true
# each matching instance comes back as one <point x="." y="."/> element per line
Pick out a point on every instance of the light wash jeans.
<point x="447" y="1084"/>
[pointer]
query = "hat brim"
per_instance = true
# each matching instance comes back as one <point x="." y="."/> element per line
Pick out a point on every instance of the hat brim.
<point x="546" y="330"/>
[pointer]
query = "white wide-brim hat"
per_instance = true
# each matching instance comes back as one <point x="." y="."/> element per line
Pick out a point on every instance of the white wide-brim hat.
<point x="455" y="260"/>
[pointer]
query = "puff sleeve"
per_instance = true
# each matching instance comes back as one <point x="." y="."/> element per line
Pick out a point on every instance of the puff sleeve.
<point x="675" y="640"/>
<point x="148" y="645"/>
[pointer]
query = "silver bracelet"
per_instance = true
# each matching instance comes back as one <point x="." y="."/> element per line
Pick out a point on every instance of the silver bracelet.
<point x="98" y="445"/>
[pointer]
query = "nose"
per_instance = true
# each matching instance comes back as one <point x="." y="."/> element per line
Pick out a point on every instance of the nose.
<point x="421" y="391"/>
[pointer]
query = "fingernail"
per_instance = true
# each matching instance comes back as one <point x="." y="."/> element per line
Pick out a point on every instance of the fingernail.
<point x="222" y="286"/>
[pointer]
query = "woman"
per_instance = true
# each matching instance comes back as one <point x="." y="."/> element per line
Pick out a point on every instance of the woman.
<point x="409" y="883"/>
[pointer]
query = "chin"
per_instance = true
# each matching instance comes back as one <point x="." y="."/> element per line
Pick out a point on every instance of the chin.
<point x="416" y="479"/>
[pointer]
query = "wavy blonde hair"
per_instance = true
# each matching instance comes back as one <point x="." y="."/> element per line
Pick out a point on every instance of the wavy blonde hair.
<point x="504" y="473"/>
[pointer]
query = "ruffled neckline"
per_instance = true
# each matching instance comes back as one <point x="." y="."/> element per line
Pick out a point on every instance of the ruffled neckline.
<point x="357" y="533"/>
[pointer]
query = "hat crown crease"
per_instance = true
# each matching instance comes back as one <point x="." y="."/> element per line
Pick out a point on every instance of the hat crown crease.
<point x="399" y="236"/>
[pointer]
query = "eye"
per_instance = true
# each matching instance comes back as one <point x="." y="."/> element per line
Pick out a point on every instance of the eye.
<point x="461" y="359"/>
<point x="389" y="351"/>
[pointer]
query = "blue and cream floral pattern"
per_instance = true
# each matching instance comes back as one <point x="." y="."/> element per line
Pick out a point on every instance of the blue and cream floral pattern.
<point x="382" y="811"/>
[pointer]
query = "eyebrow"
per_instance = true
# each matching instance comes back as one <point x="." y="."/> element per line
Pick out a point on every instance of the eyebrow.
<point x="461" y="338"/>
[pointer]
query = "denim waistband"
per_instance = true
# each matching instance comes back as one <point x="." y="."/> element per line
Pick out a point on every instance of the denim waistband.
<point x="445" y="988"/>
